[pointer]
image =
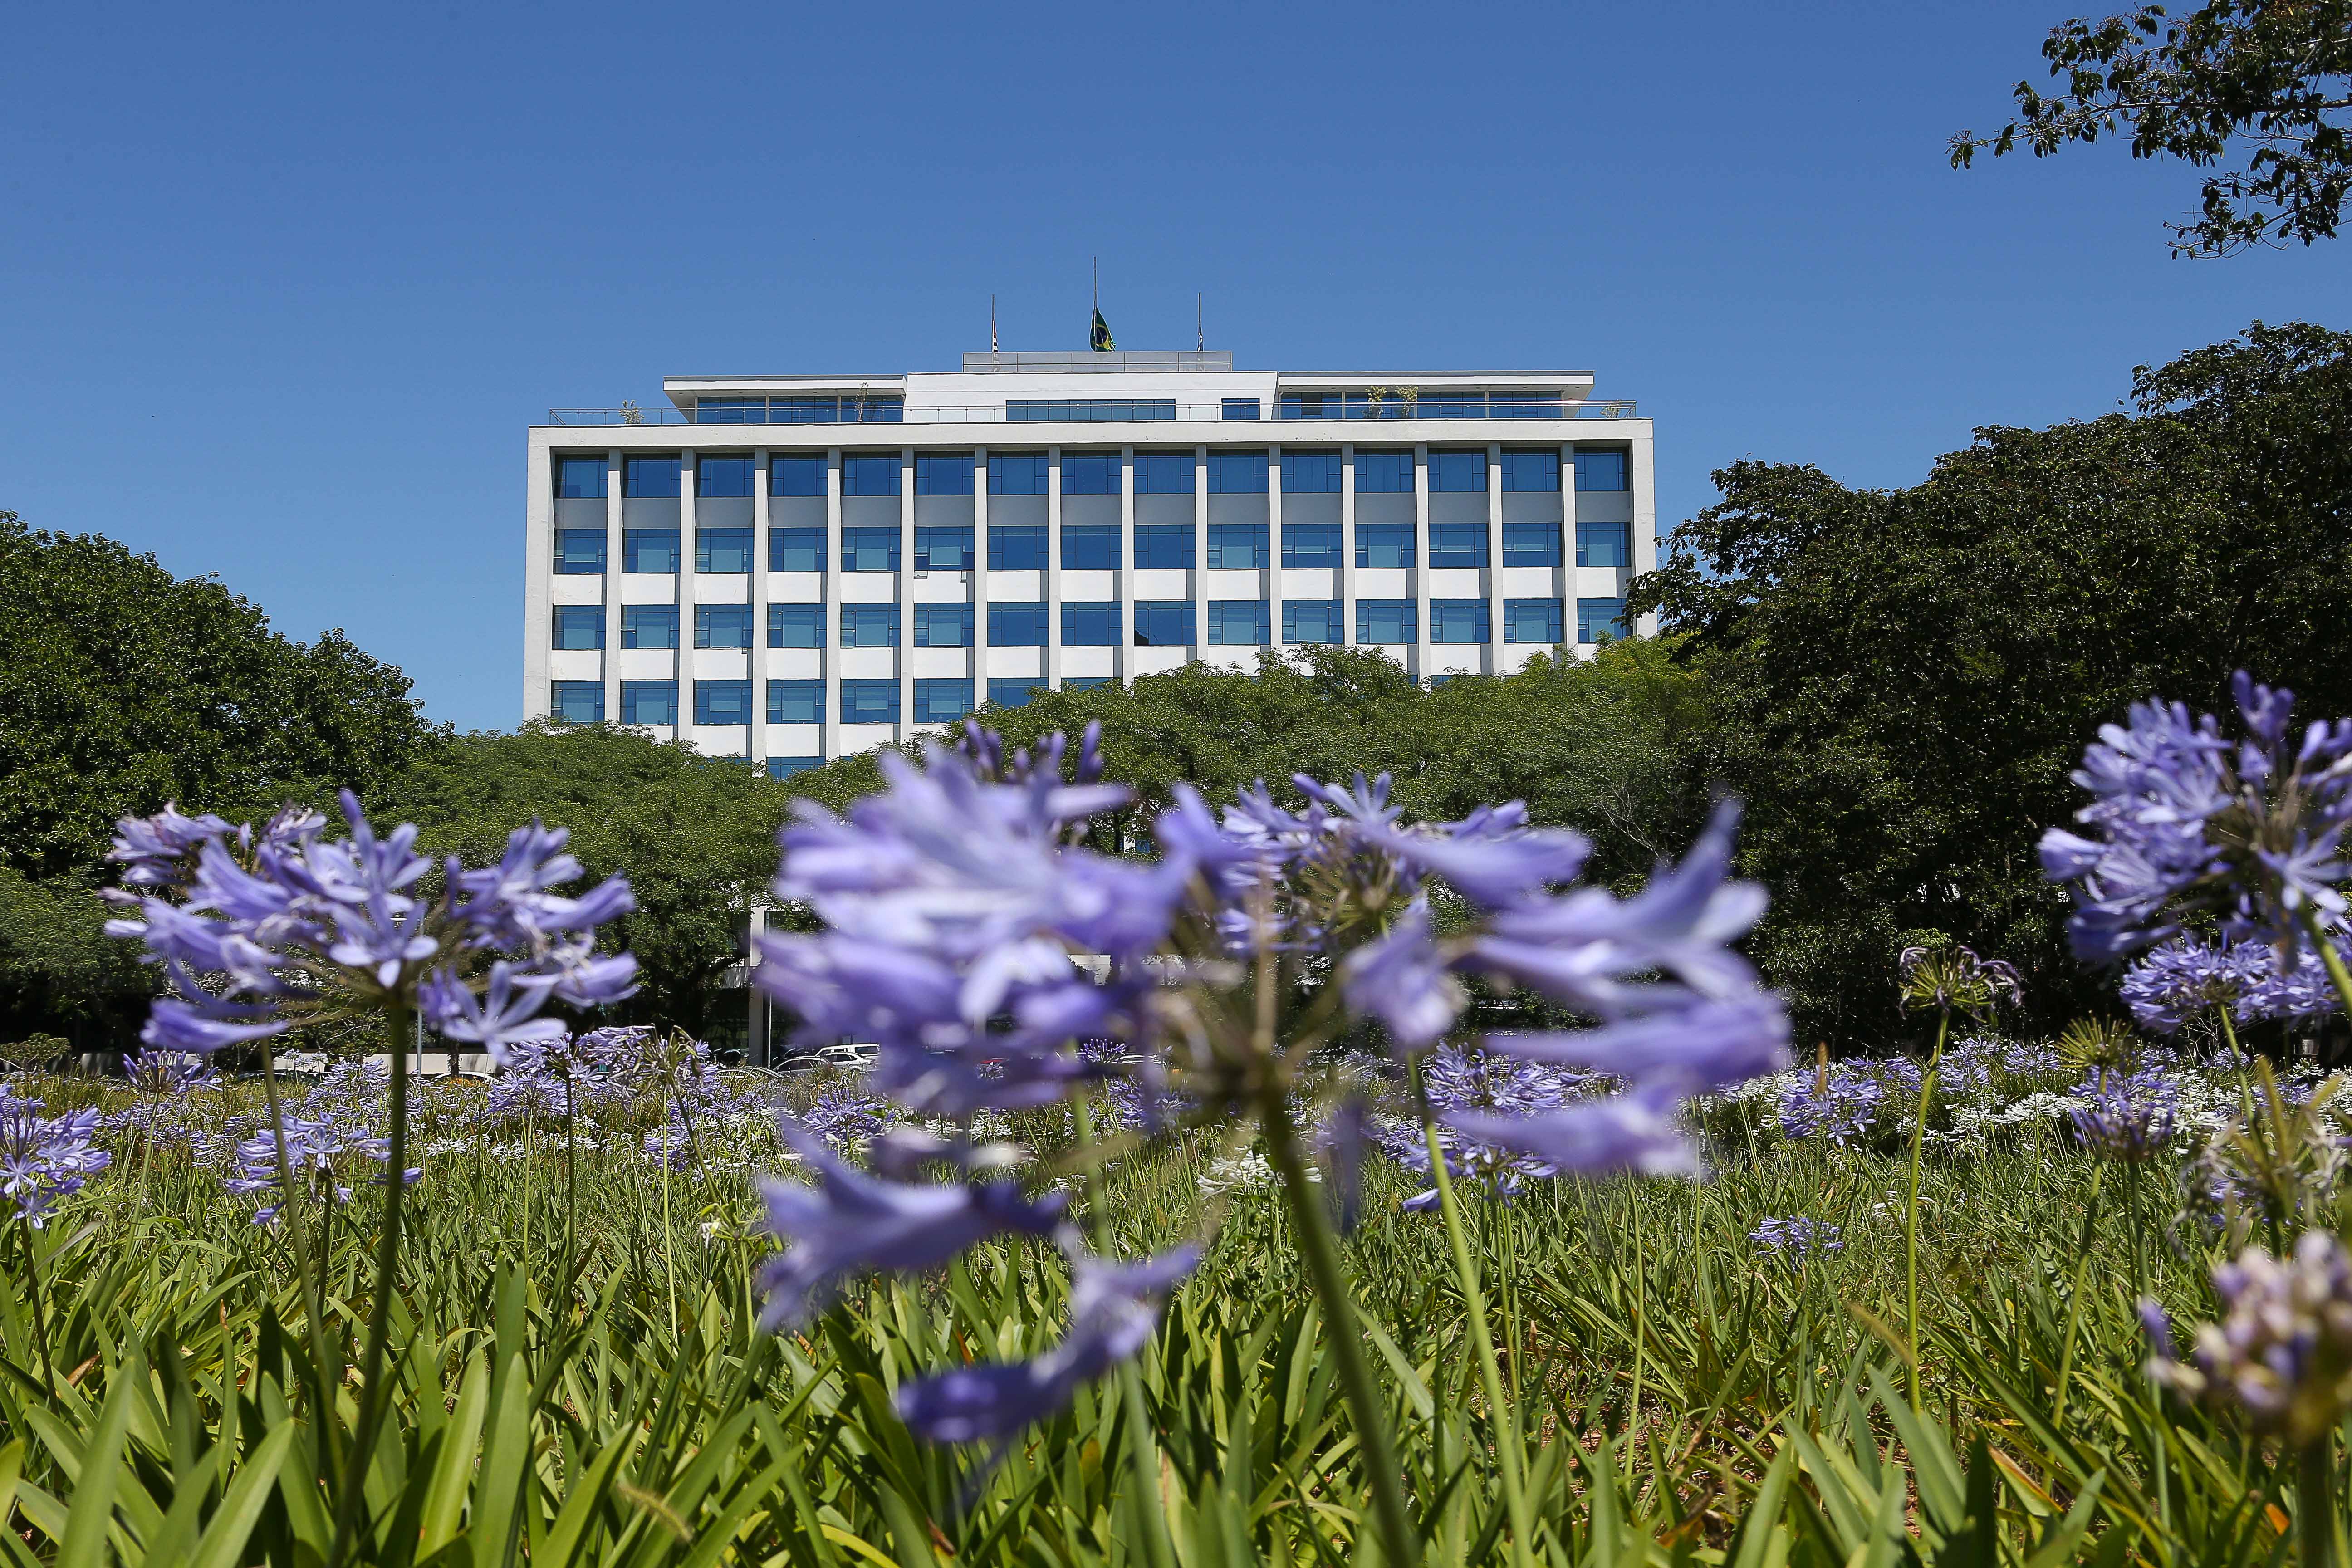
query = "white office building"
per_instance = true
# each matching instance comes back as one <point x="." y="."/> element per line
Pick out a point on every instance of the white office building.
<point x="793" y="568"/>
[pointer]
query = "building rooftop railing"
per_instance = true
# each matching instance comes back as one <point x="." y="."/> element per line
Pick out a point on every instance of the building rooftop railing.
<point x="1118" y="411"/>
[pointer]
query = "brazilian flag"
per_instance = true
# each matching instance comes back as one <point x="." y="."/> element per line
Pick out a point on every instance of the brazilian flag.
<point x="1099" y="340"/>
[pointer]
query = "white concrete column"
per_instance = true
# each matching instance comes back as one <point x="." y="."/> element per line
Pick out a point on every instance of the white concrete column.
<point x="612" y="661"/>
<point x="1421" y="561"/>
<point x="1639" y="478"/>
<point x="538" y="583"/>
<point x="1053" y="572"/>
<point x="829" y="612"/>
<point x="978" y="652"/>
<point x="906" y="581"/>
<point x="1274" y="547"/>
<point x="1200" y="550"/>
<point x="1494" y="558"/>
<point x="687" y="597"/>
<point x="756" y="658"/>
<point x="1346" y="543"/>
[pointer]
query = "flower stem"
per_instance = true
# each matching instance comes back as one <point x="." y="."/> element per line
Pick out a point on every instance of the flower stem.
<point x="1508" y="1439"/>
<point x="1322" y="1255"/>
<point x="2238" y="1061"/>
<point x="1911" y="1204"/>
<point x="329" y="1368"/>
<point x="2328" y="956"/>
<point x="1143" y="1448"/>
<point x="374" y="1403"/>
<point x="2074" y="1303"/>
<point x="2315" y="1504"/>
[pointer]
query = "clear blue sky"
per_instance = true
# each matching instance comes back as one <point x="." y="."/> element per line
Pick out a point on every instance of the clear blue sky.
<point x="280" y="287"/>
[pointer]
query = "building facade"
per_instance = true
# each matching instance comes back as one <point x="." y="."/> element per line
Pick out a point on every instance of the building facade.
<point x="791" y="568"/>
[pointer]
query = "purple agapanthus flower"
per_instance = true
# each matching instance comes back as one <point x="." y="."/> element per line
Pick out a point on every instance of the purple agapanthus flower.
<point x="273" y="927"/>
<point x="45" y="1158"/>
<point x="314" y="1145"/>
<point x="2282" y="1350"/>
<point x="1114" y="1311"/>
<point x="1841" y="1104"/>
<point x="2128" y="1116"/>
<point x="2169" y="985"/>
<point x="1402" y="979"/>
<point x="1796" y="1238"/>
<point x="2181" y="819"/>
<point x="851" y="1222"/>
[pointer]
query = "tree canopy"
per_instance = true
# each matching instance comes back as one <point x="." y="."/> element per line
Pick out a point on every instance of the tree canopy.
<point x="1901" y="681"/>
<point x="2269" y="77"/>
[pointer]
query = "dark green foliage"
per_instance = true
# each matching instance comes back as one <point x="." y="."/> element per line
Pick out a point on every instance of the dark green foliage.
<point x="1901" y="680"/>
<point x="696" y="836"/>
<point x="2274" y="74"/>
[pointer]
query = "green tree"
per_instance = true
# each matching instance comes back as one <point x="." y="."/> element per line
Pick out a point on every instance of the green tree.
<point x="1901" y="681"/>
<point x="2271" y="78"/>
<point x="695" y="836"/>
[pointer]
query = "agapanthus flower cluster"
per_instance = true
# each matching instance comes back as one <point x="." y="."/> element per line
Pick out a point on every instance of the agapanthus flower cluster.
<point x="959" y="902"/>
<point x="1849" y="1102"/>
<point x="2181" y="819"/>
<point x="45" y="1158"/>
<point x="163" y="1072"/>
<point x="1947" y="977"/>
<point x="321" y="1151"/>
<point x="281" y="925"/>
<point x="847" y="1119"/>
<point x="1978" y="1065"/>
<point x="2282" y="1350"/>
<point x="1796" y="1239"/>
<point x="2128" y="1116"/>
<point x="2178" y="982"/>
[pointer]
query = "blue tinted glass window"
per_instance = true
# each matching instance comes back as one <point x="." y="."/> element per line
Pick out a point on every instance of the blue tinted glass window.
<point x="1090" y="624"/>
<point x="1536" y="470"/>
<point x="869" y="550"/>
<point x="1597" y="617"/>
<point x="1604" y="544"/>
<point x="1384" y="544"/>
<point x="649" y="625"/>
<point x="579" y="552"/>
<point x="1238" y="623"/>
<point x="730" y="411"/>
<point x="795" y="550"/>
<point x="1310" y="473"/>
<point x="1016" y="625"/>
<point x="723" y="478"/>
<point x="580" y="479"/>
<point x="869" y="476"/>
<point x="869" y="702"/>
<point x="1532" y="620"/>
<point x="785" y="767"/>
<point x="1013" y="691"/>
<point x="803" y="410"/>
<point x="652" y="549"/>
<point x="1312" y="621"/>
<point x="649" y="702"/>
<point x="1457" y="545"/>
<point x="796" y="625"/>
<point x="942" y="626"/>
<point x="1090" y="474"/>
<point x="1457" y="471"/>
<point x="654" y="476"/>
<point x="796" y="702"/>
<point x="1163" y="622"/>
<point x="1237" y="473"/>
<point x="1018" y="547"/>
<point x="722" y="626"/>
<point x="1237" y="547"/>
<point x="579" y="625"/>
<point x="1531" y="545"/>
<point x="1458" y="620"/>
<point x="722" y="550"/>
<point x="941" y="702"/>
<point x="869" y="625"/>
<point x="576" y="701"/>
<point x="1385" y="621"/>
<point x="1163" y="473"/>
<point x="1384" y="473"/>
<point x="938" y="548"/>
<point x="1244" y="408"/>
<point x="1091" y="546"/>
<point x="865" y="409"/>
<point x="1016" y="473"/>
<point x="722" y="703"/>
<point x="1163" y="546"/>
<point x="801" y="476"/>
<point x="943" y="474"/>
<point x="1310" y="544"/>
<point x="1035" y="410"/>
<point x="1600" y="470"/>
